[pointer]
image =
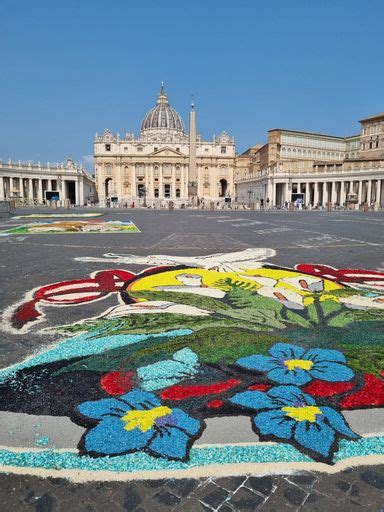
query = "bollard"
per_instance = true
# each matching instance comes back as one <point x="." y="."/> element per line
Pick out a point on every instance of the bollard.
<point x="365" y="207"/>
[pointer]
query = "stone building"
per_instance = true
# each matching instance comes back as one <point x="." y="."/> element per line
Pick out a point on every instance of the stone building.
<point x="33" y="184"/>
<point x="164" y="162"/>
<point x="324" y="168"/>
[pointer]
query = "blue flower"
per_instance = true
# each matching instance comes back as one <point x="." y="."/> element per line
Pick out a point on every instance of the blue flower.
<point x="289" y="414"/>
<point x="290" y="364"/>
<point x="138" y="421"/>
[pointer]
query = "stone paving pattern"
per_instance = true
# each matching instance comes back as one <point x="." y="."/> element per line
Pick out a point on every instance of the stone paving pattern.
<point x="352" y="489"/>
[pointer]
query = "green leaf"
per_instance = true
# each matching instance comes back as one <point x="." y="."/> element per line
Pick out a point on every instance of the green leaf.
<point x="297" y="319"/>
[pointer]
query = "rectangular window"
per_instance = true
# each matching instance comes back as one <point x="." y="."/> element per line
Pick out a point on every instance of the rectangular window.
<point x="139" y="148"/>
<point x="167" y="191"/>
<point x="223" y="150"/>
<point x="107" y="147"/>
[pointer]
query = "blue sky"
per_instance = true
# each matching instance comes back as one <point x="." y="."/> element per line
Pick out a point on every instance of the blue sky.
<point x="71" y="68"/>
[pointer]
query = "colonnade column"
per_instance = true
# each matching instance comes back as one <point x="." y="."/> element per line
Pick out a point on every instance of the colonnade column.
<point x="21" y="188"/>
<point x="378" y="193"/>
<point x="333" y="193"/>
<point x="286" y="192"/>
<point x="40" y="191"/>
<point x="369" y="190"/>
<point x="2" y="195"/>
<point x="307" y="194"/>
<point x="269" y="191"/>
<point x="77" y="192"/>
<point x="81" y="191"/>
<point x="273" y="199"/>
<point x="30" y="189"/>
<point x="342" y="192"/>
<point x="315" y="193"/>
<point x="359" y="194"/>
<point x="325" y="194"/>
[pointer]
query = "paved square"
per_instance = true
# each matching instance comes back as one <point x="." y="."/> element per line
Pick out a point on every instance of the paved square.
<point x="209" y="315"/>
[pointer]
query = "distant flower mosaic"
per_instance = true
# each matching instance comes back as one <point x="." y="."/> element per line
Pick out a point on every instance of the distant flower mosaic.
<point x="72" y="226"/>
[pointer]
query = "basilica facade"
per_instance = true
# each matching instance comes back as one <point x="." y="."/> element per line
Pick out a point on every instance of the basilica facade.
<point x="164" y="163"/>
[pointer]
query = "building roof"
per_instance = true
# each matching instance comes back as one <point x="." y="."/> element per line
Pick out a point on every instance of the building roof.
<point x="308" y="133"/>
<point x="371" y="118"/>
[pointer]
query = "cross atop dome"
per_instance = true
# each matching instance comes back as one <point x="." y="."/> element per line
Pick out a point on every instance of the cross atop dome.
<point x="162" y="98"/>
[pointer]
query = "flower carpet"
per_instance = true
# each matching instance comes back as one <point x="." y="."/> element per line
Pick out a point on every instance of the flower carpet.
<point x="69" y="227"/>
<point x="294" y="352"/>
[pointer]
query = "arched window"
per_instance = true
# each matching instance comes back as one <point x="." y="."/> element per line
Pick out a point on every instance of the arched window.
<point x="177" y="192"/>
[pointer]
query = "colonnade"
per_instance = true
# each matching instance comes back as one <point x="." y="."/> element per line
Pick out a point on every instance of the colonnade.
<point x="33" y="189"/>
<point x="321" y="193"/>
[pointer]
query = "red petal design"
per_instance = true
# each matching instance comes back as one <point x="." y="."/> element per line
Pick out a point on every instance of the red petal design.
<point x="116" y="383"/>
<point x="372" y="394"/>
<point x="181" y="392"/>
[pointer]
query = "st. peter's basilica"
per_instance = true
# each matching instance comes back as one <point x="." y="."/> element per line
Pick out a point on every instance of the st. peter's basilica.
<point x="165" y="162"/>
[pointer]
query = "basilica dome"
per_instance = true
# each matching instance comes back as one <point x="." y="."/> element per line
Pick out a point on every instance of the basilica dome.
<point x="162" y="117"/>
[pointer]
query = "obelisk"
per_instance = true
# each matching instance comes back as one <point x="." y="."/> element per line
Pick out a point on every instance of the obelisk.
<point x="192" y="168"/>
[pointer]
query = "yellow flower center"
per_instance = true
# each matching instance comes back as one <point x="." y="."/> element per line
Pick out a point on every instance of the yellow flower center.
<point x="307" y="413"/>
<point x="304" y="364"/>
<point x="144" y="420"/>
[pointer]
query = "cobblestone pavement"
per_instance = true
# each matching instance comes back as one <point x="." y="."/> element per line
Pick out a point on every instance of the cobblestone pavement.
<point x="352" y="489"/>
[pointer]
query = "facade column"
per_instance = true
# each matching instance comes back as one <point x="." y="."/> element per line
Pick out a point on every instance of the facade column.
<point x="161" y="191"/>
<point x="185" y="183"/>
<point x="40" y="191"/>
<point x="2" y="195"/>
<point x="369" y="190"/>
<point x="359" y="194"/>
<point x="30" y="189"/>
